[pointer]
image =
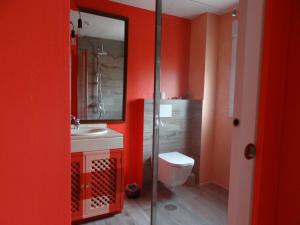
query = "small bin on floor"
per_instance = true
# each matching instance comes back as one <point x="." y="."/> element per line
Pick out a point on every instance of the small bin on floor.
<point x="133" y="190"/>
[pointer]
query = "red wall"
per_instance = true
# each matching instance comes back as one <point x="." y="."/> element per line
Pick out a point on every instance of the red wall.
<point x="175" y="60"/>
<point x="175" y="56"/>
<point x="34" y="96"/>
<point x="277" y="181"/>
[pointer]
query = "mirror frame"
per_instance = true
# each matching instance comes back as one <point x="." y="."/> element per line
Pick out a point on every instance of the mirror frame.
<point x="125" y="19"/>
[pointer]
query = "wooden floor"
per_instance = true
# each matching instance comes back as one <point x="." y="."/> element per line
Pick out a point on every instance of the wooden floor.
<point x="206" y="205"/>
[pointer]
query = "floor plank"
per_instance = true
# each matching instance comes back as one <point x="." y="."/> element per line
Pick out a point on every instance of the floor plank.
<point x="205" y="205"/>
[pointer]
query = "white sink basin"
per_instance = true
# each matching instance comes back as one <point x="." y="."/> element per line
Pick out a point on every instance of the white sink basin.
<point x="88" y="131"/>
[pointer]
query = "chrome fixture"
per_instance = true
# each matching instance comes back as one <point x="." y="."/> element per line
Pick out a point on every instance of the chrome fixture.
<point x="75" y="121"/>
<point x="162" y="124"/>
<point x="99" y="95"/>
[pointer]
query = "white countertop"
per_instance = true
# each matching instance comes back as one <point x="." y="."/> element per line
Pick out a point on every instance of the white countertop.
<point x="110" y="140"/>
<point x="109" y="134"/>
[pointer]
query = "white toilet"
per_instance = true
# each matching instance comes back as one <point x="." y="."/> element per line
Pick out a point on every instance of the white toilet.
<point x="174" y="168"/>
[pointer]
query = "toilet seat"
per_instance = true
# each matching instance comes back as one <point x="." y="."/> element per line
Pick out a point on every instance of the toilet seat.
<point x="176" y="159"/>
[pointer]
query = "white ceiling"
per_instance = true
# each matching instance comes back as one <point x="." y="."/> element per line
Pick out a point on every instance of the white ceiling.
<point x="185" y="8"/>
<point x="99" y="26"/>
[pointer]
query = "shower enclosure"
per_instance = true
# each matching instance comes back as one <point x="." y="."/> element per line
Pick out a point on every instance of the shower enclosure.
<point x="177" y="198"/>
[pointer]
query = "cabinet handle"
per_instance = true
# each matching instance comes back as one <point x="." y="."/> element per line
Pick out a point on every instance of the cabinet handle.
<point x="82" y="186"/>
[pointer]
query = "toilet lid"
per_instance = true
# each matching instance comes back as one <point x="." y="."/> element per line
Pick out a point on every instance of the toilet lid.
<point x="177" y="159"/>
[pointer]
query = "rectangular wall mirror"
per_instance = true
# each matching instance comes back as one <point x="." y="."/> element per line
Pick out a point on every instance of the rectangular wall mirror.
<point x="99" y="66"/>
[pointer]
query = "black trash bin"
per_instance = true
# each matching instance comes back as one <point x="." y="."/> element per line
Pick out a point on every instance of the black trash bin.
<point x="133" y="190"/>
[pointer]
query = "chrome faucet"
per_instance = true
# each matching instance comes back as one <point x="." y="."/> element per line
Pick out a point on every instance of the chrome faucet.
<point x="75" y="121"/>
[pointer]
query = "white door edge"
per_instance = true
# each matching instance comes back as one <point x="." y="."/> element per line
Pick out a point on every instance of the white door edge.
<point x="250" y="36"/>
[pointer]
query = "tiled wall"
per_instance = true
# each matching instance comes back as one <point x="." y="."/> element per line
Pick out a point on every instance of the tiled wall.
<point x="181" y="132"/>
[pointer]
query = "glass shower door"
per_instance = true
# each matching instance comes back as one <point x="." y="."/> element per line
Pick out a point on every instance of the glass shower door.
<point x="186" y="74"/>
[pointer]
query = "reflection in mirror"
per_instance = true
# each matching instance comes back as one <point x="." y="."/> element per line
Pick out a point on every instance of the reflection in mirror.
<point x="99" y="67"/>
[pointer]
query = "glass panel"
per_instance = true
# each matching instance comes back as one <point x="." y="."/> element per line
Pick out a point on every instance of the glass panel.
<point x="197" y="73"/>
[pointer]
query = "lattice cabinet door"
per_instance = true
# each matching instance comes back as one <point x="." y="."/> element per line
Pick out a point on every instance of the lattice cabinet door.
<point x="77" y="184"/>
<point x="104" y="184"/>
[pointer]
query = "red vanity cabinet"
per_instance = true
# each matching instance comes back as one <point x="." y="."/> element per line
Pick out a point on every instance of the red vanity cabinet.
<point x="77" y="182"/>
<point x="99" y="188"/>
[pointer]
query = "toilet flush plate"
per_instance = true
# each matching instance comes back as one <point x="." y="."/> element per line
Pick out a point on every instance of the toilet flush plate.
<point x="166" y="111"/>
